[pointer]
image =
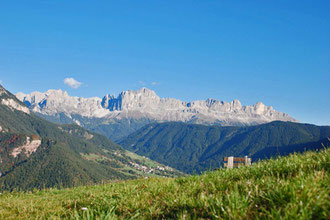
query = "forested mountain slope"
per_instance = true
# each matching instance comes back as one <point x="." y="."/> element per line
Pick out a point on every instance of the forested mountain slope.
<point x="195" y="148"/>
<point x="37" y="153"/>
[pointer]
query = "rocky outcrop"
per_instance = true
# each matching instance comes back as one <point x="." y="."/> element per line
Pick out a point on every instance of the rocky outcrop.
<point x="12" y="104"/>
<point x="28" y="148"/>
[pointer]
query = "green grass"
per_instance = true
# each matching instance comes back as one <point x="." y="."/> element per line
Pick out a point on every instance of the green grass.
<point x="145" y="160"/>
<point x="294" y="187"/>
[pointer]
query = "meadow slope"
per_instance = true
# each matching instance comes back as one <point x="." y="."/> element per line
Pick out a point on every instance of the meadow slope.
<point x="293" y="187"/>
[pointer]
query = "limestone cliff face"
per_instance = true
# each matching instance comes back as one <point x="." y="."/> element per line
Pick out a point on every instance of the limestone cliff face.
<point x="145" y="103"/>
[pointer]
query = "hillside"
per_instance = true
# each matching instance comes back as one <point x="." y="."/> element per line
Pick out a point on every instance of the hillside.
<point x="35" y="153"/>
<point x="195" y="148"/>
<point x="294" y="187"/>
<point x="131" y="110"/>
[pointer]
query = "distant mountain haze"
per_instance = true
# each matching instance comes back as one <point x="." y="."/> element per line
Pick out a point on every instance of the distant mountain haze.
<point x="119" y="116"/>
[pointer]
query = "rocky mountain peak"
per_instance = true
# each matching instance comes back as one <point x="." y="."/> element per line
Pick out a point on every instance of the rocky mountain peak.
<point x="260" y="108"/>
<point x="140" y="94"/>
<point x="144" y="103"/>
<point x="236" y="104"/>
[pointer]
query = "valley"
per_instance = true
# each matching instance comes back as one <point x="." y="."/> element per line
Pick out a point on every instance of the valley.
<point x="164" y="110"/>
<point x="196" y="148"/>
<point x="35" y="153"/>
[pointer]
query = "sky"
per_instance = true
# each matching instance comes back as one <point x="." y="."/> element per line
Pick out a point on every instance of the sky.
<point x="276" y="51"/>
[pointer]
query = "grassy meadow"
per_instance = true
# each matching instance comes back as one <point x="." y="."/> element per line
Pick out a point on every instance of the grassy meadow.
<point x="293" y="187"/>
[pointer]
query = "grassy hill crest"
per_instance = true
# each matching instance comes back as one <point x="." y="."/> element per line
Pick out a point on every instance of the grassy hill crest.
<point x="293" y="187"/>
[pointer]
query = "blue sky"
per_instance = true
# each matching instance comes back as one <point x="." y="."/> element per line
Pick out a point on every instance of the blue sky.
<point x="277" y="52"/>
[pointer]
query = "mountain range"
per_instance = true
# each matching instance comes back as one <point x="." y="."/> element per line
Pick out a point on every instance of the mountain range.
<point x="117" y="117"/>
<point x="35" y="153"/>
<point x="191" y="137"/>
<point x="193" y="148"/>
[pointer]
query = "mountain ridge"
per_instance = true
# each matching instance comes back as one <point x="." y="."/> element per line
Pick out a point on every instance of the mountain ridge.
<point x="195" y="148"/>
<point x="131" y="110"/>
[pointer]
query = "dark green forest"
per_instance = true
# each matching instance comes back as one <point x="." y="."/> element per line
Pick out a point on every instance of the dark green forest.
<point x="196" y="148"/>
